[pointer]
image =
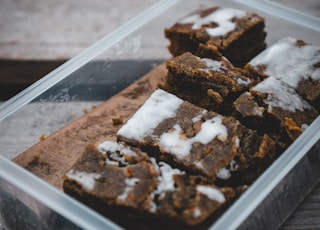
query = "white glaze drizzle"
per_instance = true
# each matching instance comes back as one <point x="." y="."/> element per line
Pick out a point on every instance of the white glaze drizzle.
<point x="222" y="17"/>
<point x="223" y="174"/>
<point x="288" y="62"/>
<point x="213" y="65"/>
<point x="281" y="95"/>
<point x="165" y="180"/>
<point x="116" y="152"/>
<point x="233" y="166"/>
<point x="197" y="212"/>
<point x="211" y="193"/>
<point x="158" y="107"/>
<point x="130" y="183"/>
<point x="244" y="82"/>
<point x="86" y="180"/>
<point x="112" y="146"/>
<point x="180" y="145"/>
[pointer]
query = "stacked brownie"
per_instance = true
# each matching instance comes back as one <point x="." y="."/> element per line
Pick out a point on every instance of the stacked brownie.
<point x="276" y="93"/>
<point x="209" y="131"/>
<point x="273" y="107"/>
<point x="233" y="33"/>
<point x="187" y="164"/>
<point x="196" y="140"/>
<point x="293" y="62"/>
<point x="138" y="191"/>
<point x="287" y="100"/>
<point x="208" y="83"/>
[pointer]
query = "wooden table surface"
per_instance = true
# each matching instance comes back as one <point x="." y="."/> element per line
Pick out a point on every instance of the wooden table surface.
<point x="37" y="36"/>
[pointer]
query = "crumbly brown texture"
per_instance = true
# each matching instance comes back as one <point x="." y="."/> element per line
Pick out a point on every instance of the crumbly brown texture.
<point x="245" y="153"/>
<point x="211" y="84"/>
<point x="258" y="131"/>
<point x="245" y="147"/>
<point x="268" y="111"/>
<point x="128" y="188"/>
<point x="239" y="45"/>
<point x="308" y="81"/>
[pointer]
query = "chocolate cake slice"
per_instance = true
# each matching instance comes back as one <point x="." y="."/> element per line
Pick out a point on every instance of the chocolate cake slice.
<point x="138" y="192"/>
<point x="294" y="62"/>
<point x="196" y="140"/>
<point x="211" y="84"/>
<point x="236" y="34"/>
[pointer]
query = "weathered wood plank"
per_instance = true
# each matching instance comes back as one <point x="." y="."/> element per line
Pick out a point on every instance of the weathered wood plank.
<point x="50" y="30"/>
<point x="307" y="215"/>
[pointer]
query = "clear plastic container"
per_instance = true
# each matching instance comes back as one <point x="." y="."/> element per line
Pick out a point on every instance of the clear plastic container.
<point x="104" y="69"/>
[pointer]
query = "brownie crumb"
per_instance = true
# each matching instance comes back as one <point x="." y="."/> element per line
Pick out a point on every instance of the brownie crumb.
<point x="117" y="121"/>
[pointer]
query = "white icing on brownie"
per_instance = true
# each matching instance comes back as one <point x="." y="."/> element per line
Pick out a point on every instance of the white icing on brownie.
<point x="211" y="193"/>
<point x="158" y="107"/>
<point x="175" y="142"/>
<point x="197" y="212"/>
<point x="223" y="174"/>
<point x="288" y="62"/>
<point x="112" y="162"/>
<point x="243" y="82"/>
<point x="198" y="117"/>
<point x="199" y="164"/>
<point x="130" y="183"/>
<point x="222" y="17"/>
<point x="112" y="146"/>
<point x="116" y="152"/>
<point x="165" y="180"/>
<point x="213" y="65"/>
<point x="233" y="166"/>
<point x="222" y="65"/>
<point x="86" y="180"/>
<point x="281" y="95"/>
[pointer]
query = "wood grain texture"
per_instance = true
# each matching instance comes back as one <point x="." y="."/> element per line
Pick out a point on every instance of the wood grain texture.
<point x="307" y="215"/>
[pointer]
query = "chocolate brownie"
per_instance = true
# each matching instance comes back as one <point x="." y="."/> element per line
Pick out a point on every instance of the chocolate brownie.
<point x="236" y="34"/>
<point x="196" y="140"/>
<point x="207" y="83"/>
<point x="137" y="192"/>
<point x="294" y="62"/>
<point x="274" y="107"/>
<point x="194" y="146"/>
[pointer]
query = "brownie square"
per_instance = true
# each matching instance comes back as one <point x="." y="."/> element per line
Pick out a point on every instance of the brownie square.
<point x="294" y="62"/>
<point x="196" y="140"/>
<point x="138" y="192"/>
<point x="207" y="83"/>
<point x="274" y="107"/>
<point x="236" y="34"/>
